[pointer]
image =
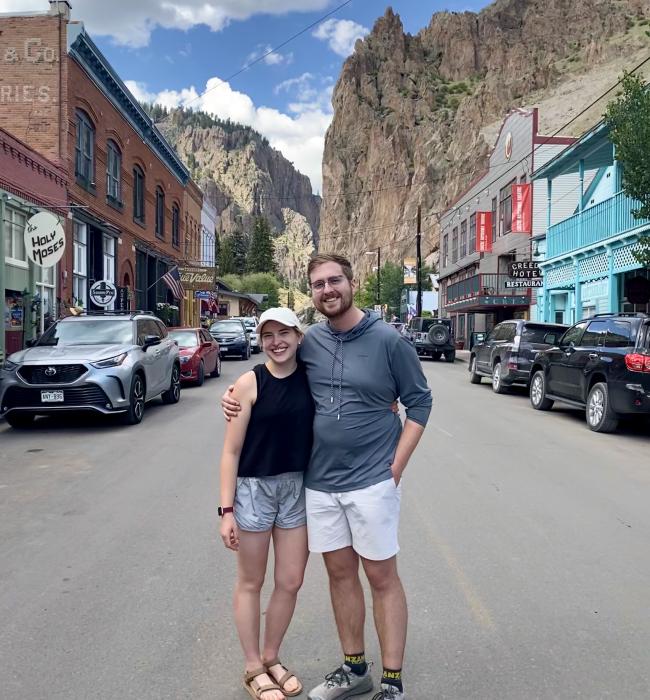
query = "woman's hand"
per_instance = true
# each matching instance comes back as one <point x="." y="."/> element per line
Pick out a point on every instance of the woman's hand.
<point x="229" y="532"/>
<point x="230" y="407"/>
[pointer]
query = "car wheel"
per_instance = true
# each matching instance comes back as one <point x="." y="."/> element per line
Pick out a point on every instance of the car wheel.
<point x="538" y="398"/>
<point x="173" y="394"/>
<point x="20" y="421"/>
<point x="450" y="356"/>
<point x="599" y="414"/>
<point x="497" y="380"/>
<point x="216" y="372"/>
<point x="135" y="412"/>
<point x="473" y="377"/>
<point x="200" y="377"/>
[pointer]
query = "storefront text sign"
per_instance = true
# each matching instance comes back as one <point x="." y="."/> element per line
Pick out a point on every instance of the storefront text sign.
<point x="44" y="239"/>
<point x="525" y="269"/>
<point x="103" y="293"/>
<point x="197" y="279"/>
<point x="521" y="208"/>
<point x="483" y="232"/>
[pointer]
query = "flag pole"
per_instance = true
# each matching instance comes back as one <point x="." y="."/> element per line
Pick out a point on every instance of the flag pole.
<point x="161" y="276"/>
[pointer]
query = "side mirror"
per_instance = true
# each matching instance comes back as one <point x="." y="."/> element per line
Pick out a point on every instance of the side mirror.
<point x="206" y="345"/>
<point x="150" y="341"/>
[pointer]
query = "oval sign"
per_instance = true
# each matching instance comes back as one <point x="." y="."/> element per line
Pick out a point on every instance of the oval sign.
<point x="103" y="293"/>
<point x="44" y="239"/>
<point x="508" y="147"/>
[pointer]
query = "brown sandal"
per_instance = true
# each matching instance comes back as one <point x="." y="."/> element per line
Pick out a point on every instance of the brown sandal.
<point x="283" y="680"/>
<point x="256" y="693"/>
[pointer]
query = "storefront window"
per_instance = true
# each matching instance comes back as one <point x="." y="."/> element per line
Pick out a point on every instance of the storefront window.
<point x="44" y="298"/>
<point x="472" y="234"/>
<point x="505" y="208"/>
<point x="14" y="237"/>
<point x="108" y="246"/>
<point x="80" y="264"/>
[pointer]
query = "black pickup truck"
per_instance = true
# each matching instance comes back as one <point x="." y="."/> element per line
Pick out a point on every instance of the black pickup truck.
<point x="506" y="355"/>
<point x="432" y="337"/>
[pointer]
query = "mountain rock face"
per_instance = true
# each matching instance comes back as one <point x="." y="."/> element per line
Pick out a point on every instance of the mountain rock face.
<point x="243" y="177"/>
<point x="415" y="117"/>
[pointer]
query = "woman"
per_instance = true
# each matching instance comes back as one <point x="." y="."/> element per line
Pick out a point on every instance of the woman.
<point x="264" y="457"/>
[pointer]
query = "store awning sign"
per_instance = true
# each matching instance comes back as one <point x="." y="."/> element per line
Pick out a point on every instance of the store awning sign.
<point x="483" y="232"/>
<point x="522" y="196"/>
<point x="103" y="293"/>
<point x="197" y="279"/>
<point x="44" y="239"/>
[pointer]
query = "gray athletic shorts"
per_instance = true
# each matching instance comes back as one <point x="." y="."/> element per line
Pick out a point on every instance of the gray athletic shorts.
<point x="271" y="501"/>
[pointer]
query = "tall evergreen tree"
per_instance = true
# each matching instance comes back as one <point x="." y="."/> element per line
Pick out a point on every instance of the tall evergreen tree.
<point x="239" y="243"/>
<point x="226" y="259"/>
<point x="260" y="254"/>
<point x="290" y="299"/>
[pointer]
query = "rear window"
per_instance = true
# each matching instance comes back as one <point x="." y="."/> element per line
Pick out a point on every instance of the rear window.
<point x="619" y="334"/>
<point x="536" y="334"/>
<point x="645" y="337"/>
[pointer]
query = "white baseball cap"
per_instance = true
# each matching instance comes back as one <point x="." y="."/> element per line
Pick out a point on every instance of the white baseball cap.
<point x="280" y="314"/>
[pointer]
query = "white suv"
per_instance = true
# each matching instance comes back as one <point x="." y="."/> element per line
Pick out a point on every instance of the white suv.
<point x="251" y="324"/>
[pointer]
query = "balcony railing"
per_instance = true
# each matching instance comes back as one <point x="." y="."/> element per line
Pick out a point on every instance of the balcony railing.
<point x="484" y="285"/>
<point x="593" y="225"/>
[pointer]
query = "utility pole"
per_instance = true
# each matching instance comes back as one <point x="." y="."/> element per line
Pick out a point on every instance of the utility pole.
<point x="379" y="276"/>
<point x="418" y="273"/>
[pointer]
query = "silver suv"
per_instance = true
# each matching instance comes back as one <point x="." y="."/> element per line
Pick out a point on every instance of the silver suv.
<point x="107" y="363"/>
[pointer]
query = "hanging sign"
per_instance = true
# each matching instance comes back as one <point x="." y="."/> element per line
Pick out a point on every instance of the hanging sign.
<point x="103" y="293"/>
<point x="483" y="232"/>
<point x="410" y="270"/>
<point x="197" y="279"/>
<point x="44" y="239"/>
<point x="521" y="208"/>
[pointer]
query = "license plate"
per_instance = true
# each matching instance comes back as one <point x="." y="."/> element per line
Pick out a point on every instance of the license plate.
<point x="51" y="396"/>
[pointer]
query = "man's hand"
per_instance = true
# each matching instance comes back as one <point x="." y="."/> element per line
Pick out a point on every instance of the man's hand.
<point x="230" y="407"/>
<point x="397" y="473"/>
<point x="229" y="532"/>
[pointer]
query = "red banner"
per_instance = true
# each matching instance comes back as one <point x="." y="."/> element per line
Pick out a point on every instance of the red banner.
<point x="483" y="232"/>
<point x="522" y="196"/>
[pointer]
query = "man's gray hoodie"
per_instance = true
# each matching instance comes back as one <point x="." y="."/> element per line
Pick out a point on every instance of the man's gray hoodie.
<point x="354" y="378"/>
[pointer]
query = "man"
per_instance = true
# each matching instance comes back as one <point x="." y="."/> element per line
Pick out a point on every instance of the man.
<point x="357" y="366"/>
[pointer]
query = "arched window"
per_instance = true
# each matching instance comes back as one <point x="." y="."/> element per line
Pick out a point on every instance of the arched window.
<point x="176" y="226"/>
<point x="160" y="213"/>
<point x="113" y="172"/>
<point x="138" y="194"/>
<point x="85" y="150"/>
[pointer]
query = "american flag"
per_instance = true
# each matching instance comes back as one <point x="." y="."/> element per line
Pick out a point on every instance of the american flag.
<point x="172" y="279"/>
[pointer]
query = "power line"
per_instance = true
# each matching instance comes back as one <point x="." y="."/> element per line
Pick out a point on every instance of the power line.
<point x="250" y="64"/>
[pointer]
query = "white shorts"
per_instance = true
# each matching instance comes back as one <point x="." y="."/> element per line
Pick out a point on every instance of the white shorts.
<point x="366" y="520"/>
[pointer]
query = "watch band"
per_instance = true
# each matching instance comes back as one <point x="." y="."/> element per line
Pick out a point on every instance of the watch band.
<point x="222" y="511"/>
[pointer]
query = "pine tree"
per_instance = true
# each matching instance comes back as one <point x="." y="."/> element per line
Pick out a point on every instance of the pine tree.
<point x="260" y="254"/>
<point x="226" y="259"/>
<point x="290" y="299"/>
<point x="239" y="244"/>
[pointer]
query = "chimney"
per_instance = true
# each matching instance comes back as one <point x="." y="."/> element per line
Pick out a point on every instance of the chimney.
<point x="60" y="7"/>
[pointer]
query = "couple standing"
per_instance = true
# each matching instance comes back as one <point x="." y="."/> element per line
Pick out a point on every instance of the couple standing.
<point x="316" y="454"/>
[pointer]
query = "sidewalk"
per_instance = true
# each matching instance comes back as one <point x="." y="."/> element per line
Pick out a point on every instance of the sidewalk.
<point x="462" y="355"/>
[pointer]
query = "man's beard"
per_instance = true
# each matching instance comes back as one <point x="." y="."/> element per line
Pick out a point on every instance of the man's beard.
<point x="345" y="304"/>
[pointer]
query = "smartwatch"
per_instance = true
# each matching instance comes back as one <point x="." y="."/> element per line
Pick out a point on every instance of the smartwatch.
<point x="222" y="511"/>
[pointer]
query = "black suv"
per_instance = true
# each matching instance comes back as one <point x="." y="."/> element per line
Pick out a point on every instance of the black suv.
<point x="601" y="364"/>
<point x="433" y="337"/>
<point x="507" y="354"/>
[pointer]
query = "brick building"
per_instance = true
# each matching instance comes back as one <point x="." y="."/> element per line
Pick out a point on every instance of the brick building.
<point x="127" y="188"/>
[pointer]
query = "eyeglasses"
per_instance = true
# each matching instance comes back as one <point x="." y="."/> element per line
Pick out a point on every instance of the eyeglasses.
<point x="333" y="282"/>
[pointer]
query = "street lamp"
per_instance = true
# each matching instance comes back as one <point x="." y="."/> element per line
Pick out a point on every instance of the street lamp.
<point x="378" y="254"/>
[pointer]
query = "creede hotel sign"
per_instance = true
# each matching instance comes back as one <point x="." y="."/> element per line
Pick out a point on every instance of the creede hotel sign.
<point x="197" y="279"/>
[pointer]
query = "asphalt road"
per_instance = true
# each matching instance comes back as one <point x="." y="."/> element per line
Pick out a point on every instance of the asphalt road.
<point x="525" y="555"/>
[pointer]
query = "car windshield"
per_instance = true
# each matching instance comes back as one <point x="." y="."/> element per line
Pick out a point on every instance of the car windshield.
<point x="226" y="327"/>
<point x="87" y="332"/>
<point x="185" y="339"/>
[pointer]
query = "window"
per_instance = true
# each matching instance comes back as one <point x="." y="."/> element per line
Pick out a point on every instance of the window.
<point x="15" y="237"/>
<point x="463" y="239"/>
<point x="619" y="334"/>
<point x="138" y="194"/>
<point x="505" y="207"/>
<point x="574" y="335"/>
<point x="148" y="327"/>
<point x="472" y="234"/>
<point x="85" y="150"/>
<point x="507" y="332"/>
<point x="113" y="172"/>
<point x="445" y="250"/>
<point x="494" y="219"/>
<point x="454" y="245"/>
<point x="108" y="254"/>
<point x="176" y="224"/>
<point x="160" y="213"/>
<point x="537" y="334"/>
<point x="46" y="313"/>
<point x="80" y="264"/>
<point x="595" y="334"/>
<point x="461" y="326"/>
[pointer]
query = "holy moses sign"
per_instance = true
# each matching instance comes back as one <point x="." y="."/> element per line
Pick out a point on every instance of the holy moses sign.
<point x="44" y="239"/>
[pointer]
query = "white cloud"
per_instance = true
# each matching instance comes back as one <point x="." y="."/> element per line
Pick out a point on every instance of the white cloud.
<point x="271" y="58"/>
<point x="299" y="137"/>
<point x="131" y="22"/>
<point x="341" y="35"/>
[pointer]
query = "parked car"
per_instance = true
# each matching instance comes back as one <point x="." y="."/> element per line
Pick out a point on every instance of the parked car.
<point x="251" y="325"/>
<point x="433" y="337"/>
<point x="507" y="353"/>
<point x="601" y="365"/>
<point x="232" y="336"/>
<point x="199" y="354"/>
<point x="106" y="363"/>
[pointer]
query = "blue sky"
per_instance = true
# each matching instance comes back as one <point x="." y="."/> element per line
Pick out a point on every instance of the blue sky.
<point x="170" y="51"/>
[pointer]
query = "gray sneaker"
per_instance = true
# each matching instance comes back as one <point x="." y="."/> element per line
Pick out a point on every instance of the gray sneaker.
<point x="342" y="683"/>
<point x="389" y="692"/>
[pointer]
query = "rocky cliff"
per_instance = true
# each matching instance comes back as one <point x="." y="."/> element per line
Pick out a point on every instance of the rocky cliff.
<point x="243" y="177"/>
<point x="415" y="116"/>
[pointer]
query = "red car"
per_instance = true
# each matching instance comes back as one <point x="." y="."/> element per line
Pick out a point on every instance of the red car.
<point x="199" y="354"/>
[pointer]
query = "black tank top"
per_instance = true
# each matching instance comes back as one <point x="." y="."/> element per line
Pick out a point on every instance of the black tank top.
<point x="280" y="430"/>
